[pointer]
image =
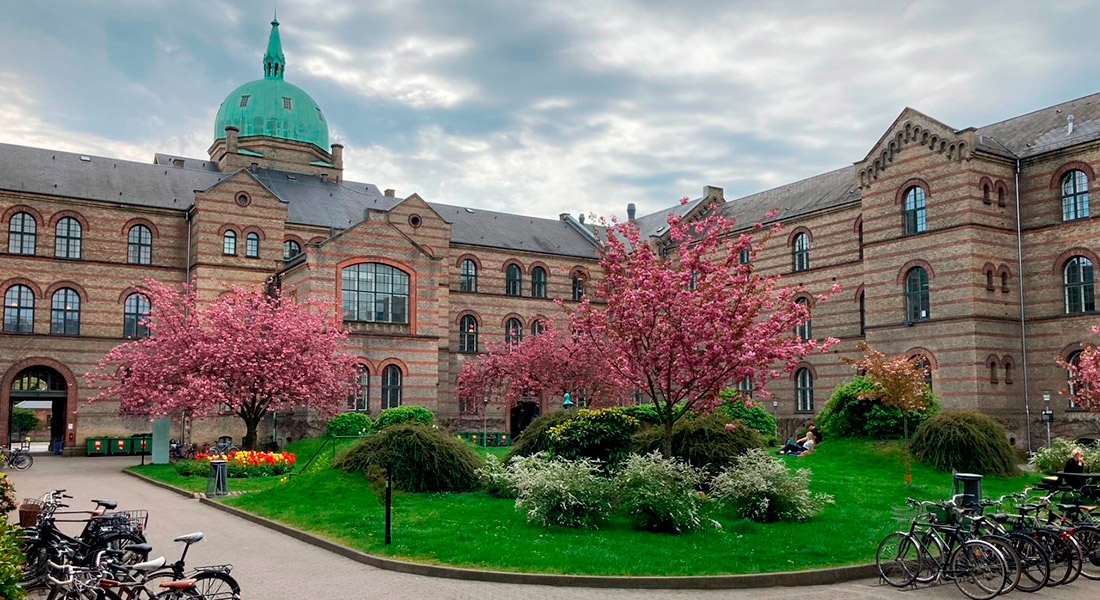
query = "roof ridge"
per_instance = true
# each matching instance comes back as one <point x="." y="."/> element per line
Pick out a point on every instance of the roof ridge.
<point x="93" y="156"/>
<point x="797" y="181"/>
<point x="1038" y="110"/>
<point x="497" y="212"/>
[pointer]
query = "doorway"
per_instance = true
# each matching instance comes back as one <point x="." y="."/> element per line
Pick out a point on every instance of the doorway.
<point x="39" y="387"/>
<point x="521" y="416"/>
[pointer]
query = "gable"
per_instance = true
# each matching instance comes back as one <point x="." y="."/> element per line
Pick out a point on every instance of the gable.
<point x="911" y="130"/>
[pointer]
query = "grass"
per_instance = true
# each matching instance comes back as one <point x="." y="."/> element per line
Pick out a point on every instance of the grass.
<point x="478" y="530"/>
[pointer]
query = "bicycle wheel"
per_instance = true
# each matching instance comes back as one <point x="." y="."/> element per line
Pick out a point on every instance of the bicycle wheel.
<point x="22" y="461"/>
<point x="1060" y="555"/>
<point x="899" y="557"/>
<point x="978" y="569"/>
<point x="935" y="553"/>
<point x="1012" y="560"/>
<point x="1078" y="556"/>
<point x="1089" y="538"/>
<point x="1034" y="563"/>
<point x="33" y="572"/>
<point x="216" y="585"/>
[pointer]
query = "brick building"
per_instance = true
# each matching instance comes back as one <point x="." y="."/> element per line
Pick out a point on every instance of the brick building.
<point x="963" y="246"/>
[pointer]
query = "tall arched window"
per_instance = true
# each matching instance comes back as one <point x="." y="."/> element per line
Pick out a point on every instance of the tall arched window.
<point x="538" y="282"/>
<point x="467" y="334"/>
<point x="468" y="277"/>
<point x="67" y="237"/>
<point x="513" y="332"/>
<point x="252" y="245"/>
<point x="360" y="401"/>
<point x="513" y="282"/>
<point x="804" y="387"/>
<point x="134" y="310"/>
<point x="1075" y="195"/>
<point x="916" y="295"/>
<point x="1071" y="381"/>
<point x="537" y="327"/>
<point x="375" y="292"/>
<point x="1077" y="280"/>
<point x="744" y="256"/>
<point x="229" y="243"/>
<point x="925" y="365"/>
<point x="801" y="252"/>
<point x="139" y="245"/>
<point x="578" y="286"/>
<point x="19" y="310"/>
<point x="291" y="249"/>
<point x="65" y="312"/>
<point x="22" y="233"/>
<point x="862" y="313"/>
<point x="746" y="388"/>
<point x="859" y="239"/>
<point x="391" y="387"/>
<point x="914" y="210"/>
<point x="804" y="331"/>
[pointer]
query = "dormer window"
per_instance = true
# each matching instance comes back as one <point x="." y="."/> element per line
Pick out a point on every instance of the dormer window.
<point x="288" y="103"/>
<point x="244" y="100"/>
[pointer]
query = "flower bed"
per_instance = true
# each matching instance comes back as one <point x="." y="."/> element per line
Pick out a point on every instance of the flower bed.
<point x="241" y="464"/>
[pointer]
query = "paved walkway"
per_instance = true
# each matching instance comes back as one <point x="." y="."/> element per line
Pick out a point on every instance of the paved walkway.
<point x="272" y="566"/>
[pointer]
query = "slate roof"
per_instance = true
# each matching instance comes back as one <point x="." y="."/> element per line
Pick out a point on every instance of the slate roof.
<point x="516" y="232"/>
<point x="819" y="192"/>
<point x="1044" y="130"/>
<point x="656" y="224"/>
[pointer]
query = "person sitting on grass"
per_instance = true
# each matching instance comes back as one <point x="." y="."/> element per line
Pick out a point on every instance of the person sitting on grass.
<point x="1076" y="462"/>
<point x="804" y="444"/>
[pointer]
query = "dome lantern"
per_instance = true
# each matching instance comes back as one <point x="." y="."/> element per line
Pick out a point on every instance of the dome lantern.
<point x="274" y="61"/>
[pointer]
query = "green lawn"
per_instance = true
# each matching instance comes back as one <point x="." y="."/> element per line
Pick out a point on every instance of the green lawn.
<point x="478" y="530"/>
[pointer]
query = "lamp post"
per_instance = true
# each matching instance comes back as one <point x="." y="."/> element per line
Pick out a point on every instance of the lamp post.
<point x="1048" y="414"/>
<point x="775" y="409"/>
<point x="484" y="417"/>
<point x="568" y="402"/>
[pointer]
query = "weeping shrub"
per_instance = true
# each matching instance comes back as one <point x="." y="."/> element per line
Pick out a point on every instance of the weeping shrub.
<point x="705" y="442"/>
<point x="421" y="459"/>
<point x="536" y="438"/>
<point x="403" y="414"/>
<point x="601" y="435"/>
<point x="846" y="416"/>
<point x="964" y="441"/>
<point x="349" y="424"/>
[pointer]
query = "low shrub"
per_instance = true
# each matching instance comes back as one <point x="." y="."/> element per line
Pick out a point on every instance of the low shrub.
<point x="536" y="437"/>
<point x="845" y="415"/>
<point x="758" y="486"/>
<point x="965" y="441"/>
<point x="495" y="479"/>
<point x="8" y="501"/>
<point x="600" y="435"/>
<point x="706" y="442"/>
<point x="403" y="414"/>
<point x="11" y="560"/>
<point x="1052" y="458"/>
<point x="192" y="467"/>
<point x="645" y="413"/>
<point x="420" y="459"/>
<point x="660" y="494"/>
<point x="349" y="424"/>
<point x="751" y="415"/>
<point x="568" y="493"/>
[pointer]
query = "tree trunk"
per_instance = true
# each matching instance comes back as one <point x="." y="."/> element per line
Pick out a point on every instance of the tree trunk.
<point x="905" y="447"/>
<point x="666" y="439"/>
<point x="251" y="423"/>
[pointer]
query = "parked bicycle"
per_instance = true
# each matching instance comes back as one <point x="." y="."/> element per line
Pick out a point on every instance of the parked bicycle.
<point x="177" y="450"/>
<point x="19" y="459"/>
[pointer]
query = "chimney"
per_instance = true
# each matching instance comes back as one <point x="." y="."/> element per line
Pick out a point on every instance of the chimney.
<point x="231" y="139"/>
<point x="565" y="216"/>
<point x="390" y="193"/>
<point x="580" y="218"/>
<point x="254" y="168"/>
<point x="324" y="177"/>
<point x="631" y="211"/>
<point x="338" y="156"/>
<point x="714" y="192"/>
<point x="1069" y="125"/>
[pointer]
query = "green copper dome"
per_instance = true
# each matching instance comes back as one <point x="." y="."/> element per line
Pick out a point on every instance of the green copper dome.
<point x="273" y="107"/>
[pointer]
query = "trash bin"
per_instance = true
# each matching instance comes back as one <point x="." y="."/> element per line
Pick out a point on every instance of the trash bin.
<point x="121" y="446"/>
<point x="969" y="484"/>
<point x="142" y="443"/>
<point x="217" y="482"/>
<point x="97" y="446"/>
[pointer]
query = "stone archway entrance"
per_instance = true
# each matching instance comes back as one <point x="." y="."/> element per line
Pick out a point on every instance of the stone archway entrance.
<point x="47" y="388"/>
<point x="521" y="416"/>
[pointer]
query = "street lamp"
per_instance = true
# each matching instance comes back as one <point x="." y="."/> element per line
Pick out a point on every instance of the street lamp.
<point x="484" y="417"/>
<point x="1048" y="414"/>
<point x="775" y="409"/>
<point x="568" y="403"/>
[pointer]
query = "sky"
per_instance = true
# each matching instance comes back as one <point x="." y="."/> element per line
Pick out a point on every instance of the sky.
<point x="544" y="107"/>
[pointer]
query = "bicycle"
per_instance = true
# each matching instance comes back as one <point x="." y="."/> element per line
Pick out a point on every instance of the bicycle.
<point x="1032" y="558"/>
<point x="179" y="451"/>
<point x="19" y="459"/>
<point x="212" y="581"/>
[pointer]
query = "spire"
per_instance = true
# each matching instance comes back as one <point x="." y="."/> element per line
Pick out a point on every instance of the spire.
<point x="274" y="61"/>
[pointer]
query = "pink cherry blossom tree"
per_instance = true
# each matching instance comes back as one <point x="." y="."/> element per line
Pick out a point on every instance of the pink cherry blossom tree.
<point x="1085" y="375"/>
<point x="682" y="323"/>
<point x="250" y="352"/>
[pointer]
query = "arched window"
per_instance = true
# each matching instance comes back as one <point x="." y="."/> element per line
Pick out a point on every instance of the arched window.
<point x="926" y="366"/>
<point x="229" y="243"/>
<point x="19" y="310"/>
<point x="360" y="401"/>
<point x="989" y="279"/>
<point x="1077" y="279"/>
<point x="538" y="282"/>
<point x="804" y="381"/>
<point x="744" y="256"/>
<point x="467" y="334"/>
<point x="391" y="387"/>
<point x="1004" y="282"/>
<point x="468" y="277"/>
<point x="513" y="281"/>
<point x="513" y="332"/>
<point x="375" y="292"/>
<point x="578" y="286"/>
<point x="291" y="249"/>
<point x="134" y="310"/>
<point x="22" y="233"/>
<point x="986" y="194"/>
<point x="1001" y="196"/>
<point x="1075" y="195"/>
<point x="916" y="295"/>
<point x="746" y="388"/>
<point x="1071" y="381"/>
<point x="804" y="330"/>
<point x="65" y="312"/>
<point x="801" y="252"/>
<point x="859" y="239"/>
<point x="139" y="245"/>
<point x="1009" y="368"/>
<point x="862" y="313"/>
<point x="252" y="245"/>
<point x="914" y="210"/>
<point x="67" y="237"/>
<point x="537" y="327"/>
<point x="992" y="371"/>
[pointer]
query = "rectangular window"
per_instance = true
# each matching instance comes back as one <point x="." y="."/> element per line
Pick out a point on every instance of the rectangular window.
<point x="244" y="100"/>
<point x="288" y="103"/>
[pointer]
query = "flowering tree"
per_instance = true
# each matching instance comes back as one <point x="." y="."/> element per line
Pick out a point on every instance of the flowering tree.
<point x="249" y="352"/>
<point x="682" y="327"/>
<point x="897" y="382"/>
<point x="552" y="362"/>
<point x="1085" y="375"/>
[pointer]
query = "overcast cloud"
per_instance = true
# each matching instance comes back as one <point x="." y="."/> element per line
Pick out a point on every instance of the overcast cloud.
<point x="545" y="107"/>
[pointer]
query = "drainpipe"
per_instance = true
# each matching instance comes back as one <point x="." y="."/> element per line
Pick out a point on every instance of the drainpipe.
<point x="187" y="266"/>
<point x="1023" y="321"/>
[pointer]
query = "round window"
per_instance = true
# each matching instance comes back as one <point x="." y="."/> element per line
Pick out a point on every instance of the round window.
<point x="414" y="220"/>
<point x="243" y="199"/>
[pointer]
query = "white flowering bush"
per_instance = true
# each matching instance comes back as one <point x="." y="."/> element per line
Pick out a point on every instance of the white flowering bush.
<point x="553" y="491"/>
<point x="661" y="494"/>
<point x="1052" y="458"/>
<point x="759" y="487"/>
<point x="496" y="479"/>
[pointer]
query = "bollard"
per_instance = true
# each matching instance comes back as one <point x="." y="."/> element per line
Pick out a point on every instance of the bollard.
<point x="389" y="504"/>
<point x="217" y="483"/>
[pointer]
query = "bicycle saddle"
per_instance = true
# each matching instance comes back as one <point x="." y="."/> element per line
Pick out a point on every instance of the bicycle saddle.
<point x="142" y="549"/>
<point x="150" y="565"/>
<point x="999" y="517"/>
<point x="190" y="538"/>
<point x="108" y="504"/>
<point x="1067" y="506"/>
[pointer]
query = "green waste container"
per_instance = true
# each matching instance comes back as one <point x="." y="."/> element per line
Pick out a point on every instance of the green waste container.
<point x="142" y="443"/>
<point x="121" y="446"/>
<point x="97" y="446"/>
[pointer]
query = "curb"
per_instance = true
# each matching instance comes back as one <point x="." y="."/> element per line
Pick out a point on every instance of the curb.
<point x="698" y="582"/>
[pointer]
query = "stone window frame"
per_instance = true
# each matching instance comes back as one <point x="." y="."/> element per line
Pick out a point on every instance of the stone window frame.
<point x="67" y="244"/>
<point x="65" y="310"/>
<point x="20" y="291"/>
<point x="467" y="337"/>
<point x="132" y="328"/>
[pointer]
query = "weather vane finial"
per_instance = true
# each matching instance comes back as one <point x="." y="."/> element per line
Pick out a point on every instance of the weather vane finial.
<point x="275" y="12"/>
